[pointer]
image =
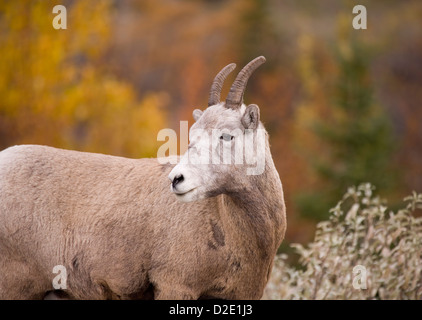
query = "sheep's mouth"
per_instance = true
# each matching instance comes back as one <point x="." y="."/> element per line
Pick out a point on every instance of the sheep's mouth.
<point x="181" y="194"/>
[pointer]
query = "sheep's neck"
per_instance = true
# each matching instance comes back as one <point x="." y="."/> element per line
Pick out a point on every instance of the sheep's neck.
<point x="258" y="210"/>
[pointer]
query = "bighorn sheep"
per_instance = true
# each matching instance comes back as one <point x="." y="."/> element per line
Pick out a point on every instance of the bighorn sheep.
<point x="120" y="232"/>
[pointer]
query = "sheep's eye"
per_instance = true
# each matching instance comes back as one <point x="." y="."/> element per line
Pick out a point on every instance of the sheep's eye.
<point x="226" y="137"/>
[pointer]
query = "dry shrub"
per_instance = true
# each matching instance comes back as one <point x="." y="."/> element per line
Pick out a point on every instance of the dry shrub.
<point x="363" y="251"/>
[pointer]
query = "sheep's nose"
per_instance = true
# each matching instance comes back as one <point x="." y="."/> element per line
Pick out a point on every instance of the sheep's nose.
<point x="177" y="179"/>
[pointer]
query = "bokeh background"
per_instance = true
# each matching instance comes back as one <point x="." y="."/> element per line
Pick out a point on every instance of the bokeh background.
<point x="342" y="106"/>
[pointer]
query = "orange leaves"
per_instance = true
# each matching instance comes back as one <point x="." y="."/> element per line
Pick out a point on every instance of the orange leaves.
<point x="55" y="89"/>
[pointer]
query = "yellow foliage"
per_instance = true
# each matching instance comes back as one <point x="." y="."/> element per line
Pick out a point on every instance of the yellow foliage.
<point x="55" y="90"/>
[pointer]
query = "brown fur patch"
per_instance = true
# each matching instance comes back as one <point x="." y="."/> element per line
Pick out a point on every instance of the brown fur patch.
<point x="217" y="234"/>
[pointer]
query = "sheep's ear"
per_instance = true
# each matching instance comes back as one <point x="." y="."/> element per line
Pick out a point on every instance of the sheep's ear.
<point x="197" y="114"/>
<point x="250" y="119"/>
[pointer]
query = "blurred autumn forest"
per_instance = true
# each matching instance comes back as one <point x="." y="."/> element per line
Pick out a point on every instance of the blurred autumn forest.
<point x="342" y="106"/>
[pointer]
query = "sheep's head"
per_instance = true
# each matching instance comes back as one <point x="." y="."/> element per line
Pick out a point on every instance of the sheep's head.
<point x="227" y="143"/>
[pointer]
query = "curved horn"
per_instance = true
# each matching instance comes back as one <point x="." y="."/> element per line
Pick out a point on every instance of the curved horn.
<point x="217" y="84"/>
<point x="235" y="97"/>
